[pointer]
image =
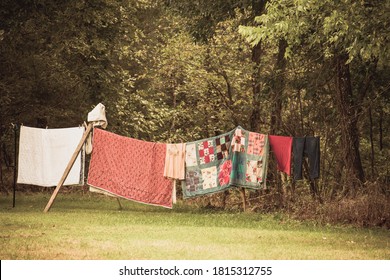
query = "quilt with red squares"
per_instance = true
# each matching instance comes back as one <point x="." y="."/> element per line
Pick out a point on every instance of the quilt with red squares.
<point x="235" y="159"/>
<point x="130" y="168"/>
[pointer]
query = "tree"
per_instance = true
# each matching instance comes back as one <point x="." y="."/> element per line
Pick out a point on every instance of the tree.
<point x="342" y="34"/>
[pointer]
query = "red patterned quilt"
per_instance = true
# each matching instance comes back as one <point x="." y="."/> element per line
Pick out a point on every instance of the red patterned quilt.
<point x="130" y="168"/>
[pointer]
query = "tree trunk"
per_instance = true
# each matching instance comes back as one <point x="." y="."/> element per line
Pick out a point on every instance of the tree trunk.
<point x="173" y="122"/>
<point x="348" y="118"/>
<point x="277" y="88"/>
<point x="258" y="7"/>
<point x="256" y="88"/>
<point x="372" y="157"/>
<point x="381" y="129"/>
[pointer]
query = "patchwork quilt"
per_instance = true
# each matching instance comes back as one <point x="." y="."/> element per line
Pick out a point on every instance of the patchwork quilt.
<point x="237" y="158"/>
<point x="129" y="168"/>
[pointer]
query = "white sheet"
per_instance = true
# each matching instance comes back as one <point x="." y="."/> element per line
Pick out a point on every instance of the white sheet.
<point x="45" y="153"/>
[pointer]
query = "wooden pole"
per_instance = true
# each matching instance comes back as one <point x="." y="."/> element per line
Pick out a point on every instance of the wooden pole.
<point x="242" y="191"/>
<point x="119" y="202"/>
<point x="68" y="168"/>
<point x="15" y="165"/>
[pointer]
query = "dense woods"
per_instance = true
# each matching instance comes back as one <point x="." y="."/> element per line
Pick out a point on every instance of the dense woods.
<point x="185" y="70"/>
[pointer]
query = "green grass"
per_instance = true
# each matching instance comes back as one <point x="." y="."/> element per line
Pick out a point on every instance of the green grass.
<point x="90" y="226"/>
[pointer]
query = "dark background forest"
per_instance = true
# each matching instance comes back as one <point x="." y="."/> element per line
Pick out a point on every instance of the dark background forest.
<point x="184" y="70"/>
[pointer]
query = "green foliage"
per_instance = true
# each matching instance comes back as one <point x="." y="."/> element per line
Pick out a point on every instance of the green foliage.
<point x="203" y="16"/>
<point x="318" y="34"/>
<point x="207" y="84"/>
<point x="61" y="59"/>
<point x="183" y="70"/>
<point x="359" y="28"/>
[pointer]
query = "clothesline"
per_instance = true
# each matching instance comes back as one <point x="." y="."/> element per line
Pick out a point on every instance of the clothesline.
<point x="238" y="158"/>
<point x="144" y="171"/>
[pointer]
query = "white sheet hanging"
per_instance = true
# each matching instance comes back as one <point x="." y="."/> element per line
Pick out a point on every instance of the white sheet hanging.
<point x="45" y="153"/>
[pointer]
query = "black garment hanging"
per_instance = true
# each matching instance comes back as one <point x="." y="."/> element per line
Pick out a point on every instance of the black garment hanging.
<point x="306" y="147"/>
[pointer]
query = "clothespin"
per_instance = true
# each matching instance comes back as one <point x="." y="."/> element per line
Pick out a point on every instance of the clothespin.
<point x="14" y="126"/>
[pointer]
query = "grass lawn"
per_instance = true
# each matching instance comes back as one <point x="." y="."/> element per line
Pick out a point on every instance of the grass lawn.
<point x="91" y="226"/>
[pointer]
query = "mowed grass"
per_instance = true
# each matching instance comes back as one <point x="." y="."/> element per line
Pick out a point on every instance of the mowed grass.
<point x="91" y="226"/>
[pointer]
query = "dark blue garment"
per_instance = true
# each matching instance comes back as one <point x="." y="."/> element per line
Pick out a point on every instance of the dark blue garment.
<point x="306" y="147"/>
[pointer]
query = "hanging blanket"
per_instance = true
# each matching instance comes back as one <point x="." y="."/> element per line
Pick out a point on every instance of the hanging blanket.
<point x="282" y="148"/>
<point x="237" y="158"/>
<point x="45" y="153"/>
<point x="129" y="168"/>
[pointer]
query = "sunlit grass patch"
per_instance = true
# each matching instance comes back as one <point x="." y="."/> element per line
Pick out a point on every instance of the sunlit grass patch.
<point x="90" y="226"/>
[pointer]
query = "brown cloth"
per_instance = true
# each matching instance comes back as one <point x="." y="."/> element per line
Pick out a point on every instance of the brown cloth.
<point x="175" y="161"/>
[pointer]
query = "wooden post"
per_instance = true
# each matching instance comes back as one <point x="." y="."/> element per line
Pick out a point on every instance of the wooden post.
<point x="119" y="202"/>
<point x="15" y="164"/>
<point x="68" y="168"/>
<point x="242" y="191"/>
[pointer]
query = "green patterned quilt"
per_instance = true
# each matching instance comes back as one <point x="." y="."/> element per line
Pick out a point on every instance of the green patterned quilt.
<point x="238" y="158"/>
